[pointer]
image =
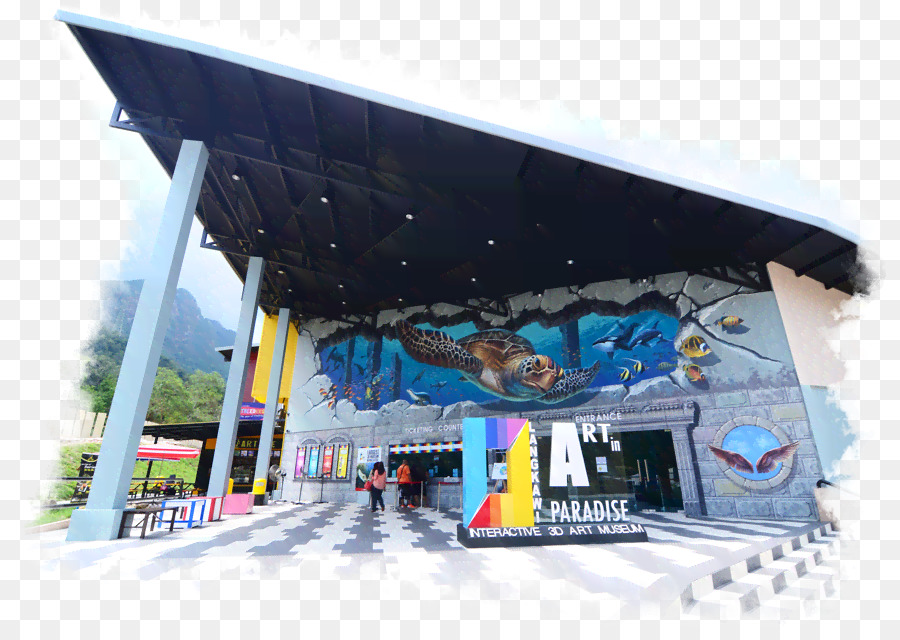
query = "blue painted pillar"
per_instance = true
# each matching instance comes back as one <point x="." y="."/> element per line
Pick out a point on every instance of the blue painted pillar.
<point x="267" y="432"/>
<point x="237" y="377"/>
<point x="102" y="516"/>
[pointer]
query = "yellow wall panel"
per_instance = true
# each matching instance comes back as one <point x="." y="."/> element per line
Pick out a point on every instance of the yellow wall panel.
<point x="518" y="474"/>
<point x="264" y="360"/>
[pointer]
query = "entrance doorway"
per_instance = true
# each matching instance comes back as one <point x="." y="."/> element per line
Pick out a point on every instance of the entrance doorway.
<point x="651" y="470"/>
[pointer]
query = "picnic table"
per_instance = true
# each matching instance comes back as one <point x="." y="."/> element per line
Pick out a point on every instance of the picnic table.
<point x="131" y="517"/>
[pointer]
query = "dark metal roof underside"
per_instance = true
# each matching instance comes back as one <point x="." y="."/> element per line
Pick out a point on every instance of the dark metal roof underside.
<point x="202" y="430"/>
<point x="452" y="203"/>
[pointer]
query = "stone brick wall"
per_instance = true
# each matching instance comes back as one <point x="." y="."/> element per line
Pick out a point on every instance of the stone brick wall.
<point x="783" y="407"/>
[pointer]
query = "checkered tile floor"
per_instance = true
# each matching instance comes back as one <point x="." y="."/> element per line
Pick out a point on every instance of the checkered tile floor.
<point x="421" y="544"/>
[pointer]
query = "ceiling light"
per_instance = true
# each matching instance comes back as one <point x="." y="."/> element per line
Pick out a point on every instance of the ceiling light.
<point x="399" y="299"/>
<point x="236" y="176"/>
<point x="490" y="242"/>
<point x="290" y="291"/>
<point x="409" y="216"/>
<point x="473" y="279"/>
<point x="344" y="302"/>
<point x="333" y="246"/>
<point x="261" y="230"/>
<point x="324" y="199"/>
<point x="281" y="271"/>
<point x="570" y="262"/>
<point x="340" y="286"/>
<point x="403" y="262"/>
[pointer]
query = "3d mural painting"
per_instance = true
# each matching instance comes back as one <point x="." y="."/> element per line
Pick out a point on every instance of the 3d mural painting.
<point x="678" y="354"/>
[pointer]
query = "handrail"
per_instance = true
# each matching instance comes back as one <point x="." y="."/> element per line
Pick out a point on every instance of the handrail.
<point x="822" y="481"/>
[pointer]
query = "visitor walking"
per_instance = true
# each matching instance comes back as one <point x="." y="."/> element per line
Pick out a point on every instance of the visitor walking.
<point x="404" y="484"/>
<point x="378" y="478"/>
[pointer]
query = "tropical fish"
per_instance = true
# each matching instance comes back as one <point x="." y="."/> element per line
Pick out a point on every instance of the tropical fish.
<point x="695" y="347"/>
<point x="638" y="366"/>
<point x="767" y="462"/>
<point x="625" y="375"/>
<point x="694" y="373"/>
<point x="419" y="397"/>
<point x="727" y="322"/>
<point x="330" y="395"/>
<point x="372" y="389"/>
<point x="439" y="385"/>
<point x="665" y="366"/>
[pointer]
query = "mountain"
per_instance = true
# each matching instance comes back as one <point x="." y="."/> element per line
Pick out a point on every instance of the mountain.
<point x="191" y="339"/>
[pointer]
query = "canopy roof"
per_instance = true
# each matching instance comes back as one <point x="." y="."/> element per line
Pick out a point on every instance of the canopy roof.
<point x="165" y="452"/>
<point x="361" y="201"/>
<point x="203" y="430"/>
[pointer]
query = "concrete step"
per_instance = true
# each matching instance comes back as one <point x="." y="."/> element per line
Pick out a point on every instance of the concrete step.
<point x="745" y="586"/>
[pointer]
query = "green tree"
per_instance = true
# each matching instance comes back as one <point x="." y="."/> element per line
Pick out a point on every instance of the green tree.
<point x="205" y="393"/>
<point x="169" y="402"/>
<point x="102" y="394"/>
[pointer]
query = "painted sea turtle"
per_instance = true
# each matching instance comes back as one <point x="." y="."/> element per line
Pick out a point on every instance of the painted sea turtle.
<point x="498" y="361"/>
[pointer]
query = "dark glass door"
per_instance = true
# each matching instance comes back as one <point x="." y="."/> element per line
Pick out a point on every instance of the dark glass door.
<point x="651" y="470"/>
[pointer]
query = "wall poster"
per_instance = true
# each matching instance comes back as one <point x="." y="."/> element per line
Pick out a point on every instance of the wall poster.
<point x="301" y="460"/>
<point x="366" y="457"/>
<point x="327" y="460"/>
<point x="342" y="460"/>
<point x="313" y="468"/>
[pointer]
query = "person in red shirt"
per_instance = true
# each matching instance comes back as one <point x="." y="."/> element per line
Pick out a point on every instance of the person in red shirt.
<point x="404" y="483"/>
<point x="378" y="478"/>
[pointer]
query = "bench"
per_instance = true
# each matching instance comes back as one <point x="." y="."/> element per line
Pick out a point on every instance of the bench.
<point x="140" y="518"/>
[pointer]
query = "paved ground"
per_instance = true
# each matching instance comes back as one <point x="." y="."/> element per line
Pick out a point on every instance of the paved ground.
<point x="419" y="546"/>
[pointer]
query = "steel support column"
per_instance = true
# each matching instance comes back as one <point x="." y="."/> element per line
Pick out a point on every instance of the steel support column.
<point x="234" y="387"/>
<point x="267" y="431"/>
<point x="102" y="516"/>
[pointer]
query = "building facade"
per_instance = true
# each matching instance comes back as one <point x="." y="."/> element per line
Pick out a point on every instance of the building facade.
<point x="691" y="375"/>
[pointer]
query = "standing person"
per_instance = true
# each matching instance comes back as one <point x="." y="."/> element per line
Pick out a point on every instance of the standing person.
<point x="378" y="479"/>
<point x="404" y="483"/>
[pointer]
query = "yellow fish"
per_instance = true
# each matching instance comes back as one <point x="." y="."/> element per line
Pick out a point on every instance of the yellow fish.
<point x="728" y="321"/>
<point x="695" y="347"/>
<point x="638" y="366"/>
<point x="625" y="375"/>
<point x="665" y="366"/>
<point x="693" y="373"/>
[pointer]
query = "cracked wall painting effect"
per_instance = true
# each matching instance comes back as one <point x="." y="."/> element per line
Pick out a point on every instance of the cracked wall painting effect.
<point x="665" y="337"/>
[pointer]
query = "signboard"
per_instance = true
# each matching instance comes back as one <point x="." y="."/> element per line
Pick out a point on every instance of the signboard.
<point x="301" y="460"/>
<point x="366" y="457"/>
<point x="342" y="460"/>
<point x="252" y="410"/>
<point x="327" y="459"/>
<point x="88" y="464"/>
<point x="313" y="467"/>
<point x="537" y="508"/>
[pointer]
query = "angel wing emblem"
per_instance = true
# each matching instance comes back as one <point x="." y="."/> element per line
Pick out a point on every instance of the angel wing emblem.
<point x="770" y="459"/>
<point x="732" y="459"/>
<point x="766" y="463"/>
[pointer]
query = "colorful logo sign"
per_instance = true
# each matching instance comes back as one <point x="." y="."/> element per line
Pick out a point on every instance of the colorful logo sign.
<point x="513" y="508"/>
<point x="252" y="411"/>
